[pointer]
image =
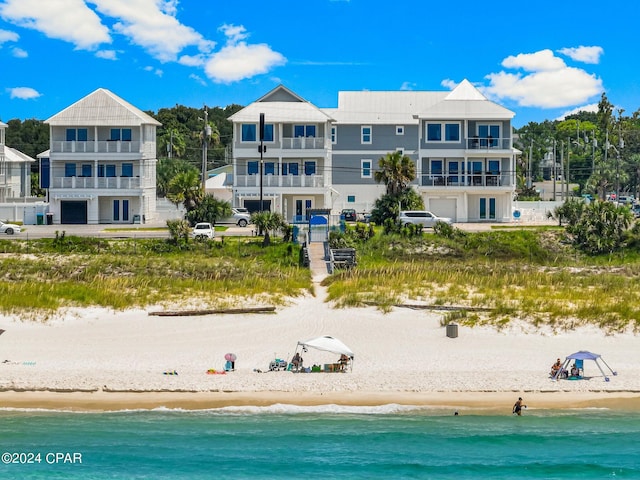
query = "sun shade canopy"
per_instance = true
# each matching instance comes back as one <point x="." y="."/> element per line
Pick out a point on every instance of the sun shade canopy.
<point x="328" y="344"/>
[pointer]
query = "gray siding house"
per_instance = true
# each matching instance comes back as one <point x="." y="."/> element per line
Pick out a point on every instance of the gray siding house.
<point x="460" y="141"/>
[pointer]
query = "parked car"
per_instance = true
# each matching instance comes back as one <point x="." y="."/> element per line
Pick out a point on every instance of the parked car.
<point x="239" y="216"/>
<point x="9" y="228"/>
<point x="202" y="231"/>
<point x="421" y="217"/>
<point x="349" y="215"/>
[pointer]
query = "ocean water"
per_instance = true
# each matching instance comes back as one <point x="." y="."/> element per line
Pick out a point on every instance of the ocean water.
<point x="327" y="442"/>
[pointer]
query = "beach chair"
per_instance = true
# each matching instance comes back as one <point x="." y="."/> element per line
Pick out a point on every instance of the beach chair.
<point x="580" y="366"/>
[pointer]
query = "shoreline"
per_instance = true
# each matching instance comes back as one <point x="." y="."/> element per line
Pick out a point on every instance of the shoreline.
<point x="469" y="401"/>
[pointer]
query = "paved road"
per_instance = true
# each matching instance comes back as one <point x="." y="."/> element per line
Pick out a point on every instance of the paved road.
<point x="110" y="231"/>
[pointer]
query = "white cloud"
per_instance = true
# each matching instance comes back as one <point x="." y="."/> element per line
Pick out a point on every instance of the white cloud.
<point x="237" y="62"/>
<point x="583" y="54"/>
<point x="547" y="82"/>
<point x="107" y="54"/>
<point x="592" y="107"/>
<point x="192" y="60"/>
<point x="19" y="53"/>
<point x="55" y="18"/>
<point x="24" y="93"/>
<point x="543" y="60"/>
<point x="7" y="36"/>
<point x="155" y="71"/>
<point x="198" y="79"/>
<point x="151" y="24"/>
<point x="407" y="86"/>
<point x="448" y="83"/>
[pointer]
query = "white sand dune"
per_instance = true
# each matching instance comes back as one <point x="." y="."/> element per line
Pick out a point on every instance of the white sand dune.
<point x="402" y="352"/>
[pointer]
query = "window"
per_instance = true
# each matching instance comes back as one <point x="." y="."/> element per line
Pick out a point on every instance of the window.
<point x="401" y="150"/>
<point x="268" y="132"/>
<point x="127" y="169"/>
<point x="290" y="168"/>
<point x="309" y="168"/>
<point x="494" y="167"/>
<point x="123" y="134"/>
<point x="79" y="134"/>
<point x="365" y="134"/>
<point x="248" y="132"/>
<point x="69" y="169"/>
<point x="334" y="135"/>
<point x="365" y="169"/>
<point x="101" y="170"/>
<point x="400" y="130"/>
<point x="252" y="168"/>
<point x="86" y="170"/>
<point x="436" y="167"/>
<point x="110" y="170"/>
<point x="435" y="132"/>
<point x="304" y="131"/>
<point x="489" y="135"/>
<point x="351" y="199"/>
<point x="269" y="168"/>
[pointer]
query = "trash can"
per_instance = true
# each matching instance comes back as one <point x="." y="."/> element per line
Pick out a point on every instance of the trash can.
<point x="49" y="218"/>
<point x="136" y="219"/>
<point x="39" y="219"/>
<point x="452" y="330"/>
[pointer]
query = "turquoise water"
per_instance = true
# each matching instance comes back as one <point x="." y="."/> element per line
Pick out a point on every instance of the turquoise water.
<point x="319" y="442"/>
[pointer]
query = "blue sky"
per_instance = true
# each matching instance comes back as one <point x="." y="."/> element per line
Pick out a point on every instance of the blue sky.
<point x="541" y="60"/>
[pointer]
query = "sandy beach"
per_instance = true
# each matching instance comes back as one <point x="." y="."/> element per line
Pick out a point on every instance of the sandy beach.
<point x="95" y="359"/>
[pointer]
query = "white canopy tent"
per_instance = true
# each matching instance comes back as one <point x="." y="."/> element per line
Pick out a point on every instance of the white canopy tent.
<point x="328" y="344"/>
<point x="580" y="357"/>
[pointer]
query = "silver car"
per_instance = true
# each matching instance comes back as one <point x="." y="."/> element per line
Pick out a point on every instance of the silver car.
<point x="9" y="228"/>
<point x="239" y="216"/>
<point x="422" y="217"/>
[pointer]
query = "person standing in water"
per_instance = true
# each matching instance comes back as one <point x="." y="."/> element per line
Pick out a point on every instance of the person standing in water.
<point x="518" y="406"/>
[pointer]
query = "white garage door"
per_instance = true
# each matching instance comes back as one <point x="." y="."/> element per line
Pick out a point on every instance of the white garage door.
<point x="443" y="207"/>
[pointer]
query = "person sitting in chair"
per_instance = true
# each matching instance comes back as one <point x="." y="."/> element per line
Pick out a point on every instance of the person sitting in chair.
<point x="555" y="368"/>
<point x="343" y="361"/>
<point x="575" y="371"/>
<point x="297" y="361"/>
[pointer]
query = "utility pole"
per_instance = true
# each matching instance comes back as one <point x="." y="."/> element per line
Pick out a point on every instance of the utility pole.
<point x="618" y="153"/>
<point x="553" y="169"/>
<point x="206" y="135"/>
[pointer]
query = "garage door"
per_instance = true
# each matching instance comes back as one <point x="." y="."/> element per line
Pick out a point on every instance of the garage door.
<point x="443" y="207"/>
<point x="73" y="213"/>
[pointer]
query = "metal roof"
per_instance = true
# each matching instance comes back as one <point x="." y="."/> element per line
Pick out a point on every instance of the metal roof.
<point x="102" y="108"/>
<point x="16" y="156"/>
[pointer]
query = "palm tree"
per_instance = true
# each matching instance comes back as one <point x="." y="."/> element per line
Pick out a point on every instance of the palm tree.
<point x="185" y="188"/>
<point x="266" y="222"/>
<point x="397" y="171"/>
<point x="210" y="209"/>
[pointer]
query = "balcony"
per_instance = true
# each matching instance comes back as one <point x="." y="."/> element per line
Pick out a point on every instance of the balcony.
<point x="111" y="183"/>
<point x="485" y="179"/>
<point x="102" y="146"/>
<point x="294" y="181"/>
<point x="303" y="143"/>
<point x="488" y="143"/>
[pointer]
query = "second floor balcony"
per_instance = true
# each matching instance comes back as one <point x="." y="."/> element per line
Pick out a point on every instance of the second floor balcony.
<point x="92" y="183"/>
<point x="478" y="179"/>
<point x="488" y="143"/>
<point x="101" y="146"/>
<point x="284" y="181"/>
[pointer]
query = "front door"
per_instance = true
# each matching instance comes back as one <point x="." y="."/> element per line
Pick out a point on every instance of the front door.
<point x="121" y="211"/>
<point x="303" y="205"/>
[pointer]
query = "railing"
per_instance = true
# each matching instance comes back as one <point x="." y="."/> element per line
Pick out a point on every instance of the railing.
<point x="279" y="181"/>
<point x="303" y="143"/>
<point x="103" y="146"/>
<point x="466" y="180"/>
<point x="117" y="183"/>
<point x="488" y="143"/>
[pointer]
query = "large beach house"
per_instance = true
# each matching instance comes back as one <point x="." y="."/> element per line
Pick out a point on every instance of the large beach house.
<point x="102" y="162"/>
<point x="325" y="158"/>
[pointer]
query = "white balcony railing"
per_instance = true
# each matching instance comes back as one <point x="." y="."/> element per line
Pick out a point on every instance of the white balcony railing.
<point x="303" y="143"/>
<point x="280" y="181"/>
<point x="102" y="146"/>
<point x="114" y="183"/>
<point x="466" y="180"/>
<point x="488" y="143"/>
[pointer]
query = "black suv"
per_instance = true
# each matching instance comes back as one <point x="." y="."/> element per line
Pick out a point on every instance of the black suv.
<point x="348" y="214"/>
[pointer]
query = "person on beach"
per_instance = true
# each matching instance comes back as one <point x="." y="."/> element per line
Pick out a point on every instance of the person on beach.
<point x="556" y="367"/>
<point x="518" y="406"/>
<point x="296" y="361"/>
